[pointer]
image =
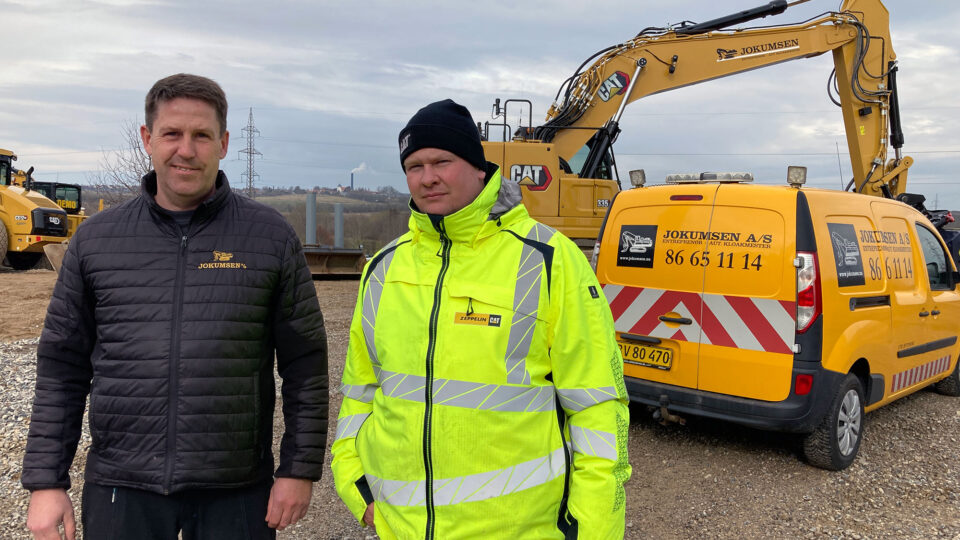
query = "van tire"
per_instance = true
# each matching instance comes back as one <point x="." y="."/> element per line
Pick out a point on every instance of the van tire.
<point x="834" y="444"/>
<point x="950" y="386"/>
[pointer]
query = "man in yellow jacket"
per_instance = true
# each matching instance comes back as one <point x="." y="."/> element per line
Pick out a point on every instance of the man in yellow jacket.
<point x="483" y="390"/>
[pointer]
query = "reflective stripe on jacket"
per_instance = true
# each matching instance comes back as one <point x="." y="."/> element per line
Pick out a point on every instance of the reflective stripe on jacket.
<point x="482" y="369"/>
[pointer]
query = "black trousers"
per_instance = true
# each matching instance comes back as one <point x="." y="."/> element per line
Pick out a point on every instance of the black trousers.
<point x="117" y="513"/>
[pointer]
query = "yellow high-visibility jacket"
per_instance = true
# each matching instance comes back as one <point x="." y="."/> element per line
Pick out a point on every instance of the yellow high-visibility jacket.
<point x="483" y="391"/>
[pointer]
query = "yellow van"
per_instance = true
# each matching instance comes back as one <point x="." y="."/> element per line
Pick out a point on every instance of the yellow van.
<point x="777" y="307"/>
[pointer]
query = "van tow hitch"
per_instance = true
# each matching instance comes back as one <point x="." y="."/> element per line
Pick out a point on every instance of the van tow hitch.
<point x="665" y="417"/>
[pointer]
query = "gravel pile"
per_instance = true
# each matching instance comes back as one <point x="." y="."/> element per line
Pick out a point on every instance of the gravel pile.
<point x="17" y="379"/>
<point x="705" y="479"/>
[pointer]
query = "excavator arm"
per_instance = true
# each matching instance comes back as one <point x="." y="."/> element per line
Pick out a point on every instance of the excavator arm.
<point x="665" y="59"/>
<point x="590" y="103"/>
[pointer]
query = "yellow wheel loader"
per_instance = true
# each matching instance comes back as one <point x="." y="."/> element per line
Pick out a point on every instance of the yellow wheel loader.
<point x="29" y="221"/>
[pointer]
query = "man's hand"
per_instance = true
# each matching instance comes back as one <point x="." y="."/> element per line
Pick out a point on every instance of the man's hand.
<point x="289" y="500"/>
<point x="368" y="518"/>
<point x="48" y="509"/>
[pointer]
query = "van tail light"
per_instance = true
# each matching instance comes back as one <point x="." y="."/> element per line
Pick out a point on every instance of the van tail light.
<point x="809" y="298"/>
<point x="803" y="384"/>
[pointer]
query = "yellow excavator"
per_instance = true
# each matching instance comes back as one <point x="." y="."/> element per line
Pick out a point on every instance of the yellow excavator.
<point x="30" y="222"/>
<point x="566" y="166"/>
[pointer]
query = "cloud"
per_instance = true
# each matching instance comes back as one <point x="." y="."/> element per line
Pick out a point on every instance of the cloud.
<point x="332" y="82"/>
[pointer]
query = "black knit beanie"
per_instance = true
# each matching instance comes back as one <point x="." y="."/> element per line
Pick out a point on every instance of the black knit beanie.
<point x="445" y="125"/>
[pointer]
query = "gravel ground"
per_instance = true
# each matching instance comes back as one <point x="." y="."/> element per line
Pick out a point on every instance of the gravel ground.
<point x="705" y="479"/>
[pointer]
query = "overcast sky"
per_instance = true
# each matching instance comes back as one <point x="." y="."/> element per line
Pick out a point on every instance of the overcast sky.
<point x="331" y="83"/>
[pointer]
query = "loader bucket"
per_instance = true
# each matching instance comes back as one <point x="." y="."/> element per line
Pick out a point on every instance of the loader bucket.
<point x="332" y="263"/>
<point x="55" y="253"/>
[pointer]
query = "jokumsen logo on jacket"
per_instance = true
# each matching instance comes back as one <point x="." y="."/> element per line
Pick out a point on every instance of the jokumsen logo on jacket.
<point x="221" y="259"/>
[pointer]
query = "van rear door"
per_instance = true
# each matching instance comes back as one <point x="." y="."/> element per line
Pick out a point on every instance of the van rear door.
<point x="749" y="295"/>
<point x="651" y="267"/>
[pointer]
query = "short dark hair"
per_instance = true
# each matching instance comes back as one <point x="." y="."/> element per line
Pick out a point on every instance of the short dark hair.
<point x="184" y="85"/>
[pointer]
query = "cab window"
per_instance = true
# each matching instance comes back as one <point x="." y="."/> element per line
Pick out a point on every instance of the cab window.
<point x="604" y="171"/>
<point x="934" y="259"/>
<point x="68" y="197"/>
<point x="4" y="173"/>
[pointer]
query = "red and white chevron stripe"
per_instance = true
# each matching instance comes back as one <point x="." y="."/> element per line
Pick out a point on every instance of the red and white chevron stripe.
<point x="757" y="324"/>
<point x="918" y="374"/>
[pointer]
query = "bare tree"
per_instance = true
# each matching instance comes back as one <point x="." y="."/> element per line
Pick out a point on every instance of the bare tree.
<point x="121" y="170"/>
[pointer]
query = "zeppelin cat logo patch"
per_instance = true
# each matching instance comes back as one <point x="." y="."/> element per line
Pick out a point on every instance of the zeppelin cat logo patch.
<point x="477" y="319"/>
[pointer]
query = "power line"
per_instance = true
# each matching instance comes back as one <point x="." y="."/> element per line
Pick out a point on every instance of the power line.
<point x="763" y="154"/>
<point x="328" y="143"/>
<point x="755" y="112"/>
<point x="29" y="157"/>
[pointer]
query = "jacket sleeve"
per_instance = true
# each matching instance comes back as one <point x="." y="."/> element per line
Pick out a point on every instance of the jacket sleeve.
<point x="64" y="376"/>
<point x="358" y="386"/>
<point x="301" y="343"/>
<point x="588" y="373"/>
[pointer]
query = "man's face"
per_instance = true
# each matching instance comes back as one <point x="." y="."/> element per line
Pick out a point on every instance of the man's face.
<point x="441" y="182"/>
<point x="186" y="147"/>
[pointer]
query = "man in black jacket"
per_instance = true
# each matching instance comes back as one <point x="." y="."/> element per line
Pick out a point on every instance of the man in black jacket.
<point x="169" y="311"/>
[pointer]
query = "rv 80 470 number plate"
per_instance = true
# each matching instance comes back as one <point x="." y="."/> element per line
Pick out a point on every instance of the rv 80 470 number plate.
<point x="644" y="355"/>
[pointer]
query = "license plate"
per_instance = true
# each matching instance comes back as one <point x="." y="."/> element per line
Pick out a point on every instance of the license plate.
<point x="645" y="355"/>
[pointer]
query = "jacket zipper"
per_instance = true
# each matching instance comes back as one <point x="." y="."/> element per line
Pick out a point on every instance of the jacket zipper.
<point x="173" y="382"/>
<point x="428" y="387"/>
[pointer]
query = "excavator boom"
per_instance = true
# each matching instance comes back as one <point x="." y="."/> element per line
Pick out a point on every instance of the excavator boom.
<point x="576" y="177"/>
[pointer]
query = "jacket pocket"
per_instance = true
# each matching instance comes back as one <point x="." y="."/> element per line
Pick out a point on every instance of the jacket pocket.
<point x="497" y="322"/>
<point x="359" y="437"/>
<point x="511" y="303"/>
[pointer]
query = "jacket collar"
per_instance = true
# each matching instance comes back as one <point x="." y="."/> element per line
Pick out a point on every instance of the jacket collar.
<point x="209" y="206"/>
<point x="494" y="200"/>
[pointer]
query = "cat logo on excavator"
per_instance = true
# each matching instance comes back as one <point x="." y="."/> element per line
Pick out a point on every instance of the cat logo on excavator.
<point x="614" y="85"/>
<point x="534" y="177"/>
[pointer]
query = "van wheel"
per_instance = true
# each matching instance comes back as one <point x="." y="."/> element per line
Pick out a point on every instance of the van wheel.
<point x="835" y="442"/>
<point x="23" y="260"/>
<point x="951" y="385"/>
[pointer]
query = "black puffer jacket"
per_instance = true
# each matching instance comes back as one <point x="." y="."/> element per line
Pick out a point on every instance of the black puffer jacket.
<point x="173" y="336"/>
